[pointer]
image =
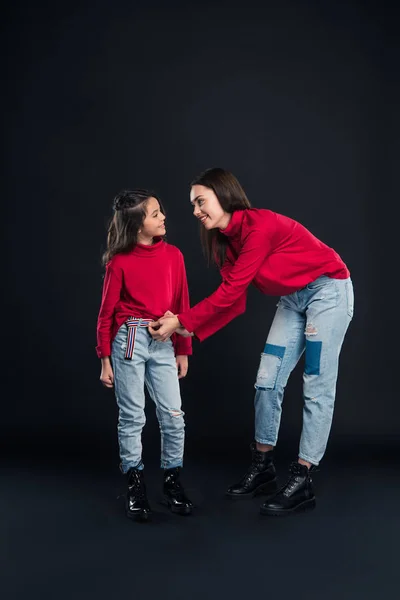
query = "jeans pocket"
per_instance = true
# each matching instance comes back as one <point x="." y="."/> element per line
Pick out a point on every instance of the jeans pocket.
<point x="121" y="338"/>
<point x="350" y="298"/>
<point x="319" y="282"/>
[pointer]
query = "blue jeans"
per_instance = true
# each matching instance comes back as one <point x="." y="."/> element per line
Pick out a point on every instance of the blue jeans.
<point x="154" y="364"/>
<point x="315" y="320"/>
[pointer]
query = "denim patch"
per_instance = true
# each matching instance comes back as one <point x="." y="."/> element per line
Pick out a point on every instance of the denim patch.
<point x="278" y="351"/>
<point x="270" y="364"/>
<point x="313" y="357"/>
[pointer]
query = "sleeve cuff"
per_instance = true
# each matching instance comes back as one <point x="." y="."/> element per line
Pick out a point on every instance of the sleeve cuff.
<point x="182" y="345"/>
<point x="187" y="323"/>
<point x="103" y="351"/>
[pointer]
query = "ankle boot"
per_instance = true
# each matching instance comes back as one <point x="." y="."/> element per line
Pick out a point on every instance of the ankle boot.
<point x="174" y="494"/>
<point x="260" y="478"/>
<point x="136" y="505"/>
<point x="296" y="495"/>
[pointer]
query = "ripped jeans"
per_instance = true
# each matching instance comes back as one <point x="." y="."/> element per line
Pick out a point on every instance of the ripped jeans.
<point x="313" y="320"/>
<point x="154" y="364"/>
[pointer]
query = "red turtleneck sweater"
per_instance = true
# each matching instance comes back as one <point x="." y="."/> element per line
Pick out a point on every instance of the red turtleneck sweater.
<point x="143" y="283"/>
<point x="275" y="253"/>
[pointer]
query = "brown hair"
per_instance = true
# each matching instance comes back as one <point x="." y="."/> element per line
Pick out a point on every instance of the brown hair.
<point x="231" y="197"/>
<point x="129" y="213"/>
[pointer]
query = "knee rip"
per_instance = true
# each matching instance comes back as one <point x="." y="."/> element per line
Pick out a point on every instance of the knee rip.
<point x="176" y="413"/>
<point x="313" y="400"/>
<point x="311" y="330"/>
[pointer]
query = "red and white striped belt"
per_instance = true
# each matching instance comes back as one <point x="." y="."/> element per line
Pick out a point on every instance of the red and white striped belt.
<point x="133" y="323"/>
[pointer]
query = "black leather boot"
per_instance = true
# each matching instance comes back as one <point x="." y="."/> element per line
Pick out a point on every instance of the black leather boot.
<point x="296" y="495"/>
<point x="174" y="494"/>
<point x="136" y="505"/>
<point x="260" y="478"/>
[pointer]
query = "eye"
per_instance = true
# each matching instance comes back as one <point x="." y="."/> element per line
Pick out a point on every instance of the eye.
<point x="200" y="202"/>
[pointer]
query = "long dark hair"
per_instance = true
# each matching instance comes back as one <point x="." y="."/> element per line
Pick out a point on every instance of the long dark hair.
<point x="129" y="213"/>
<point x="231" y="197"/>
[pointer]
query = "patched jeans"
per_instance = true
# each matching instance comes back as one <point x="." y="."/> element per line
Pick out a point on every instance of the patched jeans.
<point x="154" y="364"/>
<point x="315" y="320"/>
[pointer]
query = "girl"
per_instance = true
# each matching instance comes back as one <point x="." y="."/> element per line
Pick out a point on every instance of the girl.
<point x="281" y="258"/>
<point x="145" y="278"/>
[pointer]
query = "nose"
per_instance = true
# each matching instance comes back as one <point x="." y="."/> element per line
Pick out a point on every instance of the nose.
<point x="196" y="211"/>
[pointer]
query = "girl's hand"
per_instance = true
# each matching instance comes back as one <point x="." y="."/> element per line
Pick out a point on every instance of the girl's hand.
<point x="107" y="375"/>
<point x="165" y="327"/>
<point x="182" y="364"/>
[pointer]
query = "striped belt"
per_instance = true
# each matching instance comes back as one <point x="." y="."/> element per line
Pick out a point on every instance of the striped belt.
<point x="133" y="323"/>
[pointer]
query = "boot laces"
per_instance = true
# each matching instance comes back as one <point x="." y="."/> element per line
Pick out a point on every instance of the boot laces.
<point x="289" y="487"/>
<point x="136" y="484"/>
<point x="254" y="467"/>
<point x="296" y="472"/>
<point x="172" y="480"/>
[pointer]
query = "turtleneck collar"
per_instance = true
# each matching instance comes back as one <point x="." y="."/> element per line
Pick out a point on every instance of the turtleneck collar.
<point x="149" y="250"/>
<point x="235" y="224"/>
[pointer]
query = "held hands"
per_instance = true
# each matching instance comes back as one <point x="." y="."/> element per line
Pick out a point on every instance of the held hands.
<point x="162" y="329"/>
<point x="107" y="375"/>
<point x="184" y="332"/>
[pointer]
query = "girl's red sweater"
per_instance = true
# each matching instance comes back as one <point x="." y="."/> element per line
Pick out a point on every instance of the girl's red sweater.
<point x="143" y="283"/>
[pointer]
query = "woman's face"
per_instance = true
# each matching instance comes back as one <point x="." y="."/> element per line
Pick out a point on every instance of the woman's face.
<point x="207" y="209"/>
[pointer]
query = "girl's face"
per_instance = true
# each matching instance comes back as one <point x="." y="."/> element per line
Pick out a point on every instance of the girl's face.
<point x="153" y="224"/>
<point x="208" y="209"/>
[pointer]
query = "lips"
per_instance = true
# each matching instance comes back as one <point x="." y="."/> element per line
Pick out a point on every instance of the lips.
<point x="203" y="219"/>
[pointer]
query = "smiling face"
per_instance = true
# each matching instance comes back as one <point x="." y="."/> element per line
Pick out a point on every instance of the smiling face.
<point x="207" y="209"/>
<point x="153" y="224"/>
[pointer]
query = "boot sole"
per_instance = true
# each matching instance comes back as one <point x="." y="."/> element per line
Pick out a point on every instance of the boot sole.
<point x="140" y="517"/>
<point x="304" y="506"/>
<point x="268" y="489"/>
<point x="183" y="511"/>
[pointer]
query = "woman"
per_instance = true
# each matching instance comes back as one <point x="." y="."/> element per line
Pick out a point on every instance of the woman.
<point x="281" y="258"/>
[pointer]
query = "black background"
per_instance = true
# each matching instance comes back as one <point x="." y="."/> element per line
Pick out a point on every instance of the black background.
<point x="294" y="98"/>
<point x="298" y="99"/>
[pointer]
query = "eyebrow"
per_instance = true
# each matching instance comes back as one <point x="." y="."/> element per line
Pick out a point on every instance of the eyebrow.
<point x="154" y="212"/>
<point x="195" y="200"/>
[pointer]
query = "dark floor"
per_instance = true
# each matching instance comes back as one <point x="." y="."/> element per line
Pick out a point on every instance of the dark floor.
<point x="65" y="535"/>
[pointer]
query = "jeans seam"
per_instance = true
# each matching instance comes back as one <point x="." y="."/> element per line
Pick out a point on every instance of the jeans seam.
<point x="118" y="368"/>
<point x="350" y="313"/>
<point x="163" y="461"/>
<point x="288" y="356"/>
<point x="313" y="461"/>
<point x="323" y="371"/>
<point x="156" y="398"/>
<point x="173" y="465"/>
<point x="265" y="441"/>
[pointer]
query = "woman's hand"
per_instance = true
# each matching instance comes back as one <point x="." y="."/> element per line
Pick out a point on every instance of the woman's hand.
<point x="107" y="375"/>
<point x="155" y="327"/>
<point x="184" y="332"/>
<point x="162" y="329"/>
<point x="182" y="364"/>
